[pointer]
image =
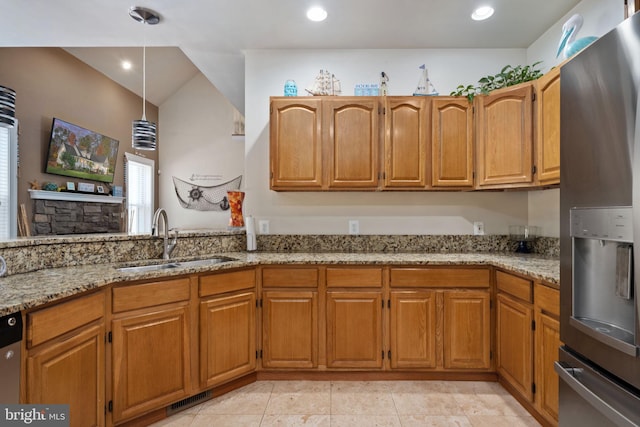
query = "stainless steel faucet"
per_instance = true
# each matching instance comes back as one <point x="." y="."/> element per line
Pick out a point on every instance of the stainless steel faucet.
<point x="168" y="247"/>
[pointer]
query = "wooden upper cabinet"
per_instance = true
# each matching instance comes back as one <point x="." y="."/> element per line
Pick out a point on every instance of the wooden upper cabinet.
<point x="351" y="132"/>
<point x="548" y="128"/>
<point x="405" y="142"/>
<point x="505" y="137"/>
<point x="296" y="144"/>
<point x="452" y="142"/>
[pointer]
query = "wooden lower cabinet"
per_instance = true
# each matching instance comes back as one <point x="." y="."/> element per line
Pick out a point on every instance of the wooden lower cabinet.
<point x="514" y="339"/>
<point x="290" y="329"/>
<point x="354" y="329"/>
<point x="467" y="330"/>
<point x="413" y="329"/>
<point x="71" y="372"/>
<point x="227" y="338"/>
<point x="151" y="366"/>
<point x="440" y="329"/>
<point x="547" y="339"/>
<point x="65" y="358"/>
<point x="547" y="344"/>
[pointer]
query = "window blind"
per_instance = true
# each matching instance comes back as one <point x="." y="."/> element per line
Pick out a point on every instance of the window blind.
<point x="8" y="182"/>
<point x="139" y="185"/>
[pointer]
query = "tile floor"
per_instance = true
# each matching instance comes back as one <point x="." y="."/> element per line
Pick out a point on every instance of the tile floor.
<point x="358" y="403"/>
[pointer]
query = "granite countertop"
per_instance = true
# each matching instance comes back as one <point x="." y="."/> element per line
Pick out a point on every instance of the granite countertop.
<point x="28" y="290"/>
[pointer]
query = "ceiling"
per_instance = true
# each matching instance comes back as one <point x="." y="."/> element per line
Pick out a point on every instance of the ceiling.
<point x="211" y="36"/>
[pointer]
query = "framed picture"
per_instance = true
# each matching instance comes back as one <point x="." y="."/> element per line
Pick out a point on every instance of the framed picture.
<point x="71" y="186"/>
<point x="85" y="187"/>
<point x="100" y="189"/>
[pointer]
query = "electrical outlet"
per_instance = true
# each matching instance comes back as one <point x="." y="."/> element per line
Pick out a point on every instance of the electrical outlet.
<point x="478" y="228"/>
<point x="354" y="226"/>
<point x="263" y="226"/>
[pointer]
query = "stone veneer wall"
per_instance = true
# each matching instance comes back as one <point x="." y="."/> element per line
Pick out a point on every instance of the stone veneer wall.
<point x="56" y="217"/>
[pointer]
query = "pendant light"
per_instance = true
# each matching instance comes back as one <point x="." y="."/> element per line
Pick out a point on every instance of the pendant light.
<point x="7" y="107"/>
<point x="143" y="132"/>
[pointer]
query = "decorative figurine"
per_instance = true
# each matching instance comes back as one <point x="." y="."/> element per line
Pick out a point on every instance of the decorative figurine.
<point x="569" y="46"/>
<point x="424" y="84"/>
<point x="325" y="84"/>
<point x="290" y="88"/>
<point x="384" y="78"/>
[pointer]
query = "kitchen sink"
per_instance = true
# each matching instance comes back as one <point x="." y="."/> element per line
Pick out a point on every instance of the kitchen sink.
<point x="171" y="265"/>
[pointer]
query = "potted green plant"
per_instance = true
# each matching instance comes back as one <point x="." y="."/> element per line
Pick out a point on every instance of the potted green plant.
<point x="508" y="76"/>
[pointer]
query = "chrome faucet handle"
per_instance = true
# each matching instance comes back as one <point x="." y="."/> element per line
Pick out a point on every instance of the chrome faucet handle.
<point x="174" y="242"/>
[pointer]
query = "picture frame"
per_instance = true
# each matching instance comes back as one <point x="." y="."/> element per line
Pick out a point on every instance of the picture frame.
<point x="71" y="186"/>
<point x="100" y="189"/>
<point x="85" y="187"/>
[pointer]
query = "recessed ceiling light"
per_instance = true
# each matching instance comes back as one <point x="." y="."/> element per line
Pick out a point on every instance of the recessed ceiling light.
<point x="317" y="14"/>
<point x="482" y="13"/>
<point x="126" y="65"/>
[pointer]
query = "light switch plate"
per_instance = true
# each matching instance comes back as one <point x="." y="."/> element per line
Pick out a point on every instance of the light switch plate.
<point x="263" y="226"/>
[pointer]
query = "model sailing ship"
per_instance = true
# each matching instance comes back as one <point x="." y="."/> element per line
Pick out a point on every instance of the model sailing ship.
<point x="325" y="84"/>
<point x="425" y="88"/>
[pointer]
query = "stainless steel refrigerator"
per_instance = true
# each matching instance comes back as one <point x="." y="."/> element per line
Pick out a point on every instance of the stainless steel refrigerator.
<point x="599" y="364"/>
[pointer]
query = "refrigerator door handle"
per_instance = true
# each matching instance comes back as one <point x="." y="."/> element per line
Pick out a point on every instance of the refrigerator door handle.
<point x="571" y="376"/>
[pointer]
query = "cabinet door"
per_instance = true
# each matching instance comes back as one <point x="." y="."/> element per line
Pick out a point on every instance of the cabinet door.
<point x="514" y="337"/>
<point x="70" y="372"/>
<point x="351" y="136"/>
<point x="467" y="330"/>
<point x="548" y="127"/>
<point x="452" y="142"/>
<point x="405" y="142"/>
<point x="150" y="360"/>
<point x="547" y="344"/>
<point x="290" y="329"/>
<point x="354" y="329"/>
<point x="295" y="144"/>
<point x="505" y="137"/>
<point x="227" y="338"/>
<point x="413" y="329"/>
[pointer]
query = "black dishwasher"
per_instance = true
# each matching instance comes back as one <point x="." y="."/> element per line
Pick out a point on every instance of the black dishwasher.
<point x="10" y="343"/>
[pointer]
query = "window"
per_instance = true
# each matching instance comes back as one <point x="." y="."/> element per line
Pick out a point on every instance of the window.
<point x="8" y="182"/>
<point x="138" y="175"/>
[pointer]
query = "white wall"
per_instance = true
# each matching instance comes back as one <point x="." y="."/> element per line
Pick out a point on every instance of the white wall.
<point x="600" y="16"/>
<point x="196" y="124"/>
<point x="381" y="212"/>
<point x="195" y="130"/>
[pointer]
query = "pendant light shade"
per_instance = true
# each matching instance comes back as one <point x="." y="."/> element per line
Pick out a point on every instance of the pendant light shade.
<point x="143" y="135"/>
<point x="7" y="107"/>
<point x="143" y="132"/>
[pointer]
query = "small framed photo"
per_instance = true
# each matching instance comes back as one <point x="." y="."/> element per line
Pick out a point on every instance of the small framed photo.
<point x="100" y="189"/>
<point x="71" y="186"/>
<point x="85" y="187"/>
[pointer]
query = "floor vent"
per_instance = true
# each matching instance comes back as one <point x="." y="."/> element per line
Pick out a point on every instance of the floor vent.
<point x="189" y="402"/>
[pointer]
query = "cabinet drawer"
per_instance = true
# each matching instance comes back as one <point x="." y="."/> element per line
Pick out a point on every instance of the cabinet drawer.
<point x="354" y="277"/>
<point x="290" y="277"/>
<point x="227" y="282"/>
<point x="547" y="299"/>
<point x="48" y="323"/>
<point x="440" y="278"/>
<point x="515" y="286"/>
<point x="150" y="294"/>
